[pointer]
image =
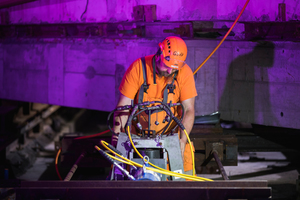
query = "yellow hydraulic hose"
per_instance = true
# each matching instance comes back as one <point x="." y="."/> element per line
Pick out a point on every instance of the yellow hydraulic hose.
<point x="105" y="144"/>
<point x="185" y="176"/>
<point x="129" y="135"/>
<point x="238" y="17"/>
<point x="118" y="159"/>
<point x="56" y="161"/>
<point x="161" y="169"/>
<point x="153" y="169"/>
<point x="192" y="152"/>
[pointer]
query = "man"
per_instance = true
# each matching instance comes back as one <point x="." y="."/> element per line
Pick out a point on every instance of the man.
<point x="168" y="79"/>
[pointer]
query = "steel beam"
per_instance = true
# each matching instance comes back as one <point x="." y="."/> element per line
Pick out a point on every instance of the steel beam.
<point x="140" y="189"/>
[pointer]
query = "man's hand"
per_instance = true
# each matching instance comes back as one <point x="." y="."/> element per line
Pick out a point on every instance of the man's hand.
<point x="114" y="140"/>
<point x="182" y="147"/>
<point x="187" y="121"/>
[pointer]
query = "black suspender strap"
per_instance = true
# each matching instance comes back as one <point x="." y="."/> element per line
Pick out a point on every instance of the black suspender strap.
<point x="144" y="87"/>
<point x="170" y="87"/>
<point x="154" y="70"/>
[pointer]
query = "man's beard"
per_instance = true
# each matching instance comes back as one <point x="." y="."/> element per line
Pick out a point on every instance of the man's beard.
<point x="163" y="73"/>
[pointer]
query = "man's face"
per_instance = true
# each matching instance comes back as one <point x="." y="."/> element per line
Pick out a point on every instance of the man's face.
<point x="164" y="70"/>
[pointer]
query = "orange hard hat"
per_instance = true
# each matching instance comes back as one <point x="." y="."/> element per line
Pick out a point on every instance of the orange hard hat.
<point x="173" y="52"/>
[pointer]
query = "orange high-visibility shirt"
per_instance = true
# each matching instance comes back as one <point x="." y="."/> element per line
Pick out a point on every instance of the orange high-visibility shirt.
<point x="184" y="89"/>
<point x="133" y="79"/>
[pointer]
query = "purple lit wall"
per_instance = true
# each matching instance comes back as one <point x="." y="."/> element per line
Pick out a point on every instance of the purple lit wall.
<point x="246" y="81"/>
<point x="54" y="11"/>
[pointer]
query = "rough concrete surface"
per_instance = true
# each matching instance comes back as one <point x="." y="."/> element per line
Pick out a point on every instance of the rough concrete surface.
<point x="253" y="82"/>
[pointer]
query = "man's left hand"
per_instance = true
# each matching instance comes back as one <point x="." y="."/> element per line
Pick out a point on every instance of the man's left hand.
<point x="182" y="147"/>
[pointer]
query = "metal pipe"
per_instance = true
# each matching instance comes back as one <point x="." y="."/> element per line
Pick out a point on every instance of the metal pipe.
<point x="39" y="118"/>
<point x="149" y="124"/>
<point x="220" y="166"/>
<point x="207" y="160"/>
<point x="74" y="168"/>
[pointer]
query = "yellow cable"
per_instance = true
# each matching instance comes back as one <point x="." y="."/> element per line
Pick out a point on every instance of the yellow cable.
<point x="56" y="161"/>
<point x="166" y="172"/>
<point x="118" y="159"/>
<point x="192" y="152"/>
<point x="161" y="169"/>
<point x="225" y="36"/>
<point x="129" y="135"/>
<point x="57" y="155"/>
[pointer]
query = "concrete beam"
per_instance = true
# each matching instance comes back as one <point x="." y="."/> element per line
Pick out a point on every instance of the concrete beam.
<point x="245" y="81"/>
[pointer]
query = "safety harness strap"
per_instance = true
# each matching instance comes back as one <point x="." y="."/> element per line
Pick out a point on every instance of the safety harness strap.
<point x="144" y="87"/>
<point x="169" y="88"/>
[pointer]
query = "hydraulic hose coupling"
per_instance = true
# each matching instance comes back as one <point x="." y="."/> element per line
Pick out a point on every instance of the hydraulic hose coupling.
<point x="124" y="171"/>
<point x="178" y="122"/>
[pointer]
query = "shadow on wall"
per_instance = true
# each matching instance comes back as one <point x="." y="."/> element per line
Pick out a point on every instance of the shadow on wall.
<point x="120" y="71"/>
<point x="246" y="96"/>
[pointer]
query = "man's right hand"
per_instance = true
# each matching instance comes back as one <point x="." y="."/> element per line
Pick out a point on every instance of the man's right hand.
<point x="114" y="140"/>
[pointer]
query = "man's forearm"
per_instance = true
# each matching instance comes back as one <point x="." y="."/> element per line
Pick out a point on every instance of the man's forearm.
<point x="120" y="119"/>
<point x="187" y="122"/>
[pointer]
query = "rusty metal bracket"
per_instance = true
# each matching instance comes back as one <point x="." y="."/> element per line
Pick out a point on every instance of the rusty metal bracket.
<point x="225" y="145"/>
